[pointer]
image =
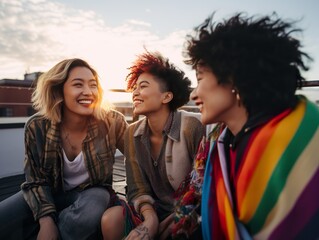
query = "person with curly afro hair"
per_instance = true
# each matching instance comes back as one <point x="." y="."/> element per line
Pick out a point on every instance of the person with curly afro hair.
<point x="262" y="171"/>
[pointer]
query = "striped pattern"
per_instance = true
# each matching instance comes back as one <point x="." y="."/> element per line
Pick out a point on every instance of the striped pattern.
<point x="277" y="183"/>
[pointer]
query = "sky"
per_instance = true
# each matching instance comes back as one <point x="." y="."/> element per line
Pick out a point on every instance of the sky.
<point x="37" y="34"/>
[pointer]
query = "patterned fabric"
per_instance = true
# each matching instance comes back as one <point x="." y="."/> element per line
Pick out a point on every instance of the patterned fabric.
<point x="187" y="217"/>
<point x="44" y="159"/>
<point x="132" y="218"/>
<point x="188" y="196"/>
<point x="275" y="188"/>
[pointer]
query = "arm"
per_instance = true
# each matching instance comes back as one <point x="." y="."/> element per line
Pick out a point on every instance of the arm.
<point x="36" y="189"/>
<point x="48" y="229"/>
<point x="148" y="229"/>
<point x="139" y="191"/>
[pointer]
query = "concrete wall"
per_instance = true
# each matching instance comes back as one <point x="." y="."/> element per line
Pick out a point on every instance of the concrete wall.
<point x="11" y="151"/>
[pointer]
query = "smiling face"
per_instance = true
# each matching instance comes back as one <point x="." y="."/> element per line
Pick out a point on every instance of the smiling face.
<point x="216" y="102"/>
<point x="148" y="97"/>
<point x="80" y="92"/>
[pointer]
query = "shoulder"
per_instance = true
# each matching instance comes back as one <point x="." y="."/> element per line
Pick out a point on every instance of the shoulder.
<point x="113" y="114"/>
<point x="37" y="120"/>
<point x="37" y="126"/>
<point x="189" y="118"/>
<point x="136" y="125"/>
<point x="115" y="122"/>
<point x="190" y="125"/>
<point x="114" y="118"/>
<point x="189" y="115"/>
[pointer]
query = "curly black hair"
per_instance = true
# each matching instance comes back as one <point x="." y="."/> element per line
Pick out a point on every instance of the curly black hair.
<point x="171" y="78"/>
<point x="257" y="55"/>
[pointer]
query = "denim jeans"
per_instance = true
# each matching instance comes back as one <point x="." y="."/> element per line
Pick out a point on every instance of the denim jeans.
<point x="16" y="219"/>
<point x="79" y="215"/>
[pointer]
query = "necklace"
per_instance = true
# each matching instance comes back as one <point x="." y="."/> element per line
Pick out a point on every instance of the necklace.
<point x="66" y="137"/>
<point x="163" y="144"/>
<point x="155" y="163"/>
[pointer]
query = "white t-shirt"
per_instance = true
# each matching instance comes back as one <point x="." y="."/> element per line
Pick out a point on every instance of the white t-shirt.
<point x="74" y="172"/>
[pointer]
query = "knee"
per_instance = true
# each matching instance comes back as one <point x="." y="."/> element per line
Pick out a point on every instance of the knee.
<point x="94" y="202"/>
<point x="112" y="217"/>
<point x="112" y="222"/>
<point x="87" y="210"/>
<point x="106" y="217"/>
<point x="99" y="196"/>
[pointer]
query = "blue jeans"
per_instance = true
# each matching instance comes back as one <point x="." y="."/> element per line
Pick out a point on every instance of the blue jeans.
<point x="79" y="215"/>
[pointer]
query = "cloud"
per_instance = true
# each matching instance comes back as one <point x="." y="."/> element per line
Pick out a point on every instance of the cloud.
<point x="137" y="22"/>
<point x="28" y="32"/>
<point x="36" y="34"/>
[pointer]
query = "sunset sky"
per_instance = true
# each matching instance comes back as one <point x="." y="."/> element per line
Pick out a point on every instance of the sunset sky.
<point x="36" y="34"/>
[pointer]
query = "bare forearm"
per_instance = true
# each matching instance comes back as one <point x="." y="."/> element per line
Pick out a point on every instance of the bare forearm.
<point x="48" y="229"/>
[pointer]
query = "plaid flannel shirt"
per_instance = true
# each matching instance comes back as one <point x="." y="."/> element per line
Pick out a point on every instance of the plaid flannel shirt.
<point x="44" y="159"/>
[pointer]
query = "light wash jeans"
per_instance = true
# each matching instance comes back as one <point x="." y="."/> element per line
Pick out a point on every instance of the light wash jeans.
<point x="79" y="215"/>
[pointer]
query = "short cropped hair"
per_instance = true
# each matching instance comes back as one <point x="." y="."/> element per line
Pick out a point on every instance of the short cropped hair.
<point x="47" y="97"/>
<point x="170" y="77"/>
<point x="257" y="55"/>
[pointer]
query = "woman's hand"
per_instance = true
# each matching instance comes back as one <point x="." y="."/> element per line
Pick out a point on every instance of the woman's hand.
<point x="140" y="232"/>
<point x="148" y="229"/>
<point x="165" y="227"/>
<point x="48" y="229"/>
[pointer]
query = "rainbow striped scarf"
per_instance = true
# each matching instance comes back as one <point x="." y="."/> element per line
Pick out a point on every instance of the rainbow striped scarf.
<point x="276" y="186"/>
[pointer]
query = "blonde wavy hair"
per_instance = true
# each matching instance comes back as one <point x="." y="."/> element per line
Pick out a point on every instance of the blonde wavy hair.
<point x="47" y="97"/>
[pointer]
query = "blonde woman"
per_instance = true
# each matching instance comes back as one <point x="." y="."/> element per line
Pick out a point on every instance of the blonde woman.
<point x="69" y="152"/>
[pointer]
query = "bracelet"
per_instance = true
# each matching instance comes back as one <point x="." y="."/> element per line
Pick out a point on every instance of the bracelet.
<point x="147" y="209"/>
<point x="142" y="204"/>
